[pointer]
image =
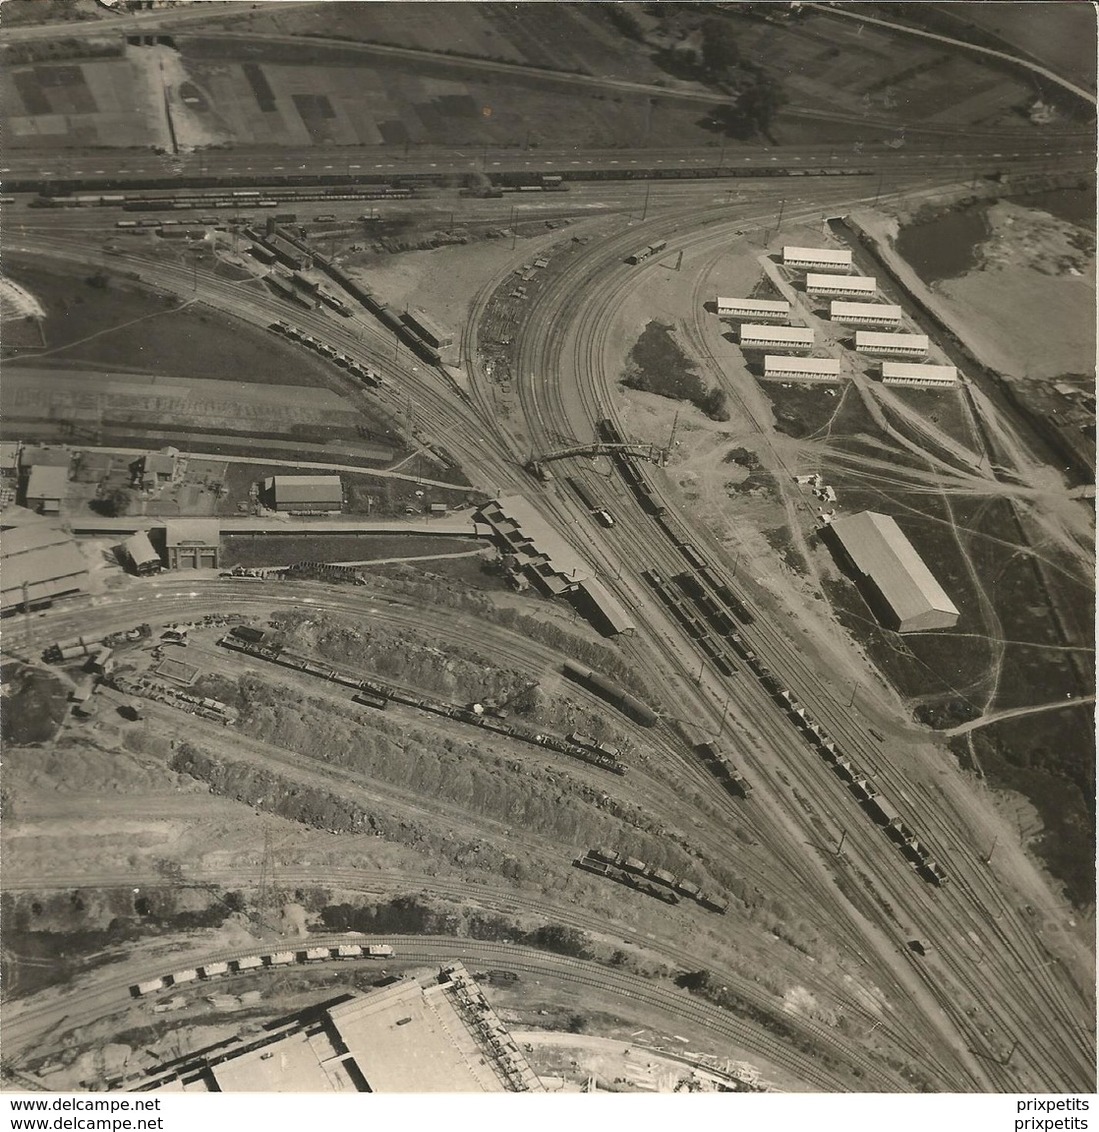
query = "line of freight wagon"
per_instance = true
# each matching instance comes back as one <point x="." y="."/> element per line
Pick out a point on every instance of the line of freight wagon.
<point x="251" y="198"/>
<point x="372" y="693"/>
<point x="364" y="373"/>
<point x="658" y="883"/>
<point x="107" y="182"/>
<point x="248" y="963"/>
<point x="716" y="605"/>
<point x="366" y="298"/>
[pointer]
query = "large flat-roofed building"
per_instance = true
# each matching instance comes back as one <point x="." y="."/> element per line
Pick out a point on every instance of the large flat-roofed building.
<point x="878" y="344"/>
<point x="427" y="328"/>
<point x="763" y="310"/>
<point x="885" y="316"/>
<point x="33" y="457"/>
<point x="894" y="579"/>
<point x="305" y="493"/>
<point x="47" y="486"/>
<point x="842" y="286"/>
<point x="801" y="369"/>
<point x="407" y="1037"/>
<point x="39" y="562"/>
<point x="754" y="336"/>
<point x="909" y="373"/>
<point x="191" y="544"/>
<point x="816" y="259"/>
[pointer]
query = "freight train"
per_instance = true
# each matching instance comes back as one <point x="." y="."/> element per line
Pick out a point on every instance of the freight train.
<point x="374" y="694"/>
<point x="247" y="963"/>
<point x="236" y="199"/>
<point x="644" y="253"/>
<point x="658" y="883"/>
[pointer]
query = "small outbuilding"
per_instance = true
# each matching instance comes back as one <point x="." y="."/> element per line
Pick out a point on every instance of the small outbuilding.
<point x="47" y="486"/>
<point x="140" y="554"/>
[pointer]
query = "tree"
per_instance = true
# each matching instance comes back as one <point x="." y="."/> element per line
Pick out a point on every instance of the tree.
<point x="719" y="48"/>
<point x="759" y="102"/>
<point x="114" y="502"/>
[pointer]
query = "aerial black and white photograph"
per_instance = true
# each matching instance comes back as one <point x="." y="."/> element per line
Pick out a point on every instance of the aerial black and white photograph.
<point x="547" y="547"/>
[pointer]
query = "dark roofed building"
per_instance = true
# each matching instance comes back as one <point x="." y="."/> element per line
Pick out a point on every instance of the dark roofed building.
<point x="44" y="456"/>
<point x="162" y="465"/>
<point x="894" y="579"/>
<point x="140" y="554"/>
<point x="39" y="562"/>
<point x="305" y="493"/>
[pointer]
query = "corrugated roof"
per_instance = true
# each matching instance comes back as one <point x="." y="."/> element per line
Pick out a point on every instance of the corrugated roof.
<point x="920" y="370"/>
<point x="840" y="309"/>
<point x="871" y="339"/>
<point x="43" y="559"/>
<point x="140" y="549"/>
<point x="514" y="513"/>
<point x="864" y="284"/>
<point x="880" y="550"/>
<point x="777" y="306"/>
<point x="607" y="604"/>
<point x="47" y="481"/>
<point x="191" y="532"/>
<point x="801" y="334"/>
<point x="818" y="255"/>
<point x="307" y="489"/>
<point x="802" y="365"/>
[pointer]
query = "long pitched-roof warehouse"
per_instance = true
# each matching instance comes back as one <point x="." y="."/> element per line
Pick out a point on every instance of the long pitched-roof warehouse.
<point x="893" y="577"/>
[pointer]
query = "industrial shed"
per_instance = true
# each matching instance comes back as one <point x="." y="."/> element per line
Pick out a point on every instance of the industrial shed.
<point x="801" y="369"/>
<point x="768" y="310"/>
<point x="38" y="563"/>
<point x="601" y="606"/>
<point x="907" y="373"/>
<point x="894" y="579"/>
<point x="542" y="555"/>
<point x="842" y="286"/>
<point x="892" y="345"/>
<point x="141" y="554"/>
<point x="880" y="315"/>
<point x="305" y="493"/>
<point x="816" y="259"/>
<point x="756" y="337"/>
<point x="427" y="328"/>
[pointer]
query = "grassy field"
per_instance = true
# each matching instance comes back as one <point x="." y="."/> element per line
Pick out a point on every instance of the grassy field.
<point x="281" y="550"/>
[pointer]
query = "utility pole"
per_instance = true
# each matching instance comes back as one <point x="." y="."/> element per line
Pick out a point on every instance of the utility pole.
<point x="881" y="178"/>
<point x="410" y="418"/>
<point x="1011" y="1052"/>
<point x="988" y="859"/>
<point x="671" y="436"/>
<point x="851" y="701"/>
<point x="843" y="838"/>
<point x="645" y="209"/>
<point x="679" y="261"/>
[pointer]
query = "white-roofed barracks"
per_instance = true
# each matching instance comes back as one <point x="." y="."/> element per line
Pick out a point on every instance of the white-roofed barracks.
<point x="894" y="579"/>
<point x="801" y="369"/>
<point x="865" y="314"/>
<point x="891" y="345"/>
<point x="767" y="310"/>
<point x="842" y="286"/>
<point x="909" y="373"/>
<point x="816" y="259"/>
<point x="754" y="336"/>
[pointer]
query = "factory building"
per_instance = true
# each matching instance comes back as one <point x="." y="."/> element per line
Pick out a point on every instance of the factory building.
<point x="754" y="336"/>
<point x="893" y="578"/>
<point x="191" y="544"/>
<point x="842" y="286"/>
<point x="801" y="369"/>
<point x="881" y="316"/>
<point x="47" y="485"/>
<point x="405" y="1037"/>
<point x="39" y="562"/>
<point x="908" y="373"/>
<point x="140" y="554"/>
<point x="891" y="345"/>
<point x="816" y="259"/>
<point x="763" y="310"/>
<point x="428" y="330"/>
<point x="305" y="493"/>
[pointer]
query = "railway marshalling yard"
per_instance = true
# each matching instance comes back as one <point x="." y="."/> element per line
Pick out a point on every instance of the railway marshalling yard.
<point x="331" y="782"/>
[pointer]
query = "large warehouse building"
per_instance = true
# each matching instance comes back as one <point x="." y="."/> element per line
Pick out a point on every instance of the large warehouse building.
<point x="801" y="369"/>
<point x="765" y="310"/>
<point x="816" y="259"/>
<point x="39" y="562"/>
<point x="883" y="316"/>
<point x="896" y="583"/>
<point x="406" y="1037"/>
<point x="908" y="373"/>
<point x="842" y="286"/>
<point x="754" y="336"/>
<point x="891" y="345"/>
<point x="305" y="493"/>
